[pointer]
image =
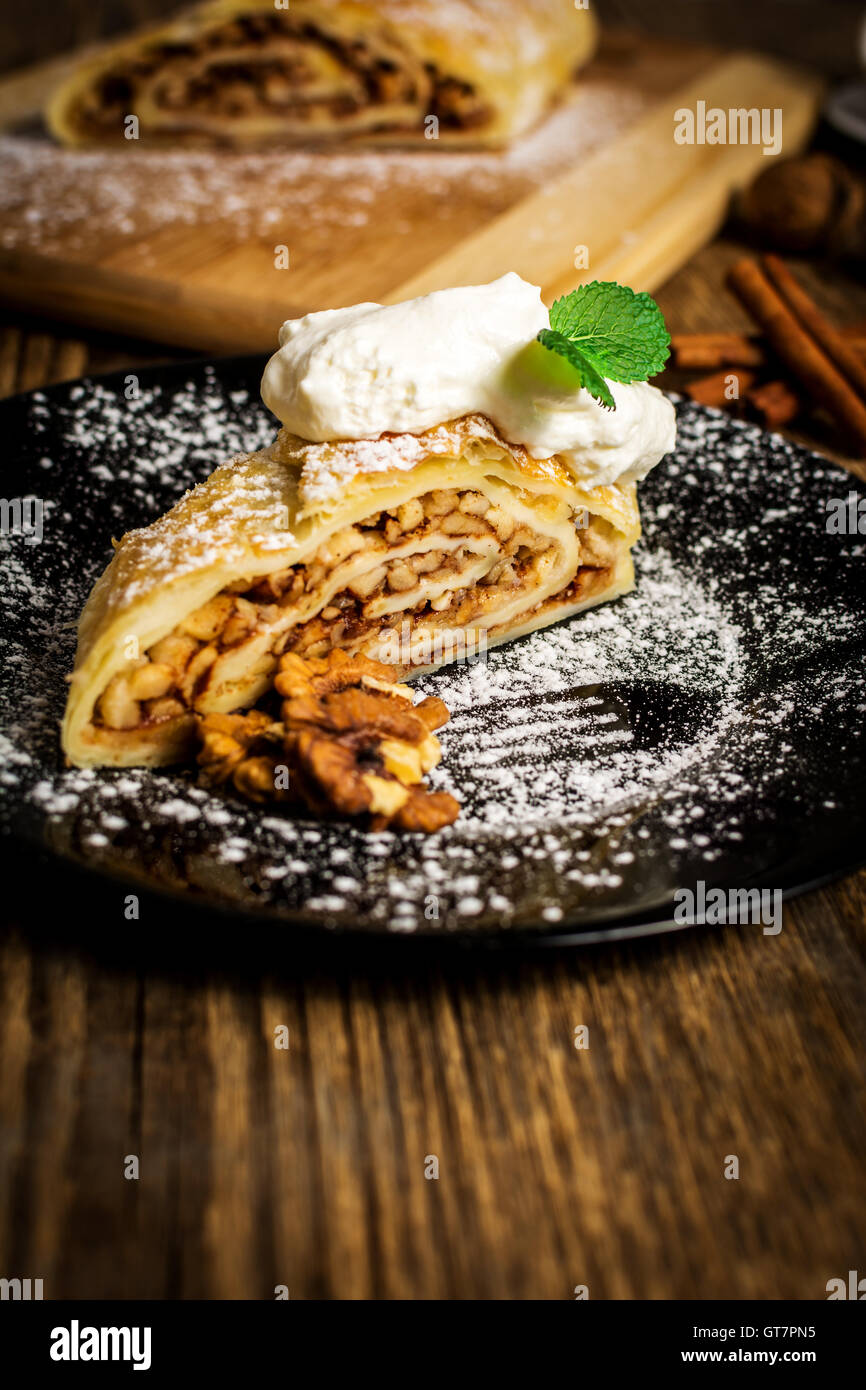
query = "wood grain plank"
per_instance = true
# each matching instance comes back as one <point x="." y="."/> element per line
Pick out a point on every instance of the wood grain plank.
<point x="40" y="1189"/>
<point x="35" y="366"/>
<point x="176" y="1121"/>
<point x="237" y="1231"/>
<point x="637" y="192"/>
<point x="346" y="1268"/>
<point x="16" y="1041"/>
<point x="558" y="1166"/>
<point x="419" y="1127"/>
<point x="122" y="303"/>
<point x="297" y="1206"/>
<point x="10" y="356"/>
<point x="640" y="203"/>
<point x="102" y="1212"/>
<point x="384" y="1155"/>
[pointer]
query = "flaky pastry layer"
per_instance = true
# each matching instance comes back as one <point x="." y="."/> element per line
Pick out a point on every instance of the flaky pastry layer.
<point x="461" y="543"/>
<point x="253" y="73"/>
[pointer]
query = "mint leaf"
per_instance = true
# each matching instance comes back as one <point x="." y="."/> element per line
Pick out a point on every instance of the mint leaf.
<point x="606" y="330"/>
<point x="589" y="376"/>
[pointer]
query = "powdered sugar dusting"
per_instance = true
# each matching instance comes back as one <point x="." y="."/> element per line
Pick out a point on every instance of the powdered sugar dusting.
<point x="124" y="438"/>
<point x="706" y="724"/>
<point x="64" y="202"/>
<point x="327" y="469"/>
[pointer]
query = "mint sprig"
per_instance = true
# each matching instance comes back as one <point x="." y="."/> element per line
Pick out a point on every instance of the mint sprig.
<point x="606" y="330"/>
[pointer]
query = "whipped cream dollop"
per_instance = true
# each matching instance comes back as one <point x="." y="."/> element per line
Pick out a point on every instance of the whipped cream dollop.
<point x="372" y="369"/>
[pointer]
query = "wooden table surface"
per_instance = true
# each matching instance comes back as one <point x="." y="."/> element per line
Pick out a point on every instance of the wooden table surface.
<point x="307" y="1167"/>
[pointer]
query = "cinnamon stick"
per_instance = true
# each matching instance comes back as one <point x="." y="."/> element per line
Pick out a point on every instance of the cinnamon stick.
<point x="793" y="343"/>
<point x="695" y="352"/>
<point x="715" y="389"/>
<point x="705" y="352"/>
<point x="821" y="329"/>
<point x="774" y="404"/>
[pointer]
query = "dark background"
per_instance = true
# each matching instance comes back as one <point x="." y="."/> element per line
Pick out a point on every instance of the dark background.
<point x="824" y="34"/>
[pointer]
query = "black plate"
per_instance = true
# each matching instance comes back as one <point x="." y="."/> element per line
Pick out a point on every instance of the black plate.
<point x="706" y="728"/>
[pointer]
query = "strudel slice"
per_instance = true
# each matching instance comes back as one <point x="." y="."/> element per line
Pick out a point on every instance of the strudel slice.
<point x="442" y="483"/>
<point x="259" y="72"/>
<point x="457" y="541"/>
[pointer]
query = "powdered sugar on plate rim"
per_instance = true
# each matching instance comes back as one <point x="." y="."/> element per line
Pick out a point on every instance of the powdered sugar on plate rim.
<point x="600" y="762"/>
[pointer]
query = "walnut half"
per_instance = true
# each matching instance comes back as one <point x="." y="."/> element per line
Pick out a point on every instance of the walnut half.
<point x="350" y="742"/>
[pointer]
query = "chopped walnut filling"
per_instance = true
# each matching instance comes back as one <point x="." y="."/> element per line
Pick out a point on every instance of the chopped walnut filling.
<point x="349" y="741"/>
<point x="278" y="64"/>
<point x="444" y="562"/>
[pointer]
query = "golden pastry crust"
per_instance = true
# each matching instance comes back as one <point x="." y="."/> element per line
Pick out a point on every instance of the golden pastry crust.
<point x="249" y="73"/>
<point x="302" y="548"/>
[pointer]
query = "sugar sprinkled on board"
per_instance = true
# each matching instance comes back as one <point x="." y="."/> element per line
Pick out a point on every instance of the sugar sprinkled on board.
<point x="57" y="200"/>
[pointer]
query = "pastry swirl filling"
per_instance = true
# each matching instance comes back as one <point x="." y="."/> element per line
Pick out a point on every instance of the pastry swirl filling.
<point x="443" y="569"/>
<point x="264" y="76"/>
<point x="416" y="551"/>
<point x="252" y="73"/>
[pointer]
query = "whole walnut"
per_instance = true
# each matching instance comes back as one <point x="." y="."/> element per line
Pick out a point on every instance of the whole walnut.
<point x="813" y="203"/>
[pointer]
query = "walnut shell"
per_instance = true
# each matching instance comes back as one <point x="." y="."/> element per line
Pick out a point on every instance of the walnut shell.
<point x="813" y="203"/>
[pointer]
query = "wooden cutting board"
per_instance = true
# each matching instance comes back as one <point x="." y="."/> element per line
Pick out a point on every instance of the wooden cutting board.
<point x="213" y="251"/>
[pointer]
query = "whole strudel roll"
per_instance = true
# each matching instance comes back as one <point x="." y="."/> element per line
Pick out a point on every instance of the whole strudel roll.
<point x="255" y="72"/>
<point x="509" y="504"/>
